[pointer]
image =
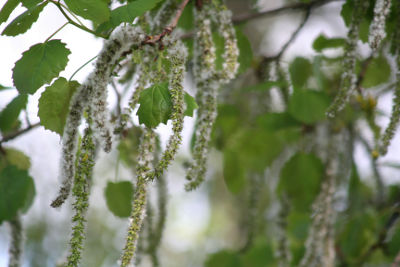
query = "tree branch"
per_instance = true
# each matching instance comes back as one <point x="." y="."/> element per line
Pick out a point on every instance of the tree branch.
<point x="18" y="133"/>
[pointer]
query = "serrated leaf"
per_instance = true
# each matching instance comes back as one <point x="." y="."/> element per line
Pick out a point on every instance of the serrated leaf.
<point x="234" y="173"/>
<point x="119" y="198"/>
<point x="322" y="43"/>
<point x="300" y="180"/>
<point x="17" y="158"/>
<point x="127" y="13"/>
<point x="40" y="65"/>
<point x="6" y="10"/>
<point x="14" y="189"/>
<point x="9" y="115"/>
<point x="24" y="22"/>
<point x="191" y="105"/>
<point x="54" y="104"/>
<point x="156" y="105"/>
<point x="94" y="10"/>
<point x="300" y="70"/>
<point x="308" y="106"/>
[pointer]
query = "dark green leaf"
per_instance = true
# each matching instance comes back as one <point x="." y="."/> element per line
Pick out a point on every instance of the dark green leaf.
<point x="234" y="173"/>
<point x="6" y="10"/>
<point x="308" y="106"/>
<point x="127" y="13"/>
<point x="257" y="149"/>
<point x="54" y="104"/>
<point x="277" y="121"/>
<point x="245" y="51"/>
<point x="191" y="105"/>
<point x="156" y="105"/>
<point x="30" y="196"/>
<point x="24" y="21"/>
<point x="347" y="11"/>
<point x="258" y="256"/>
<point x="322" y="43"/>
<point x="119" y="198"/>
<point x="14" y="189"/>
<point x="223" y="259"/>
<point x="40" y="65"/>
<point x="9" y="115"/>
<point x="378" y="72"/>
<point x="94" y="10"/>
<point x="263" y="86"/>
<point x="31" y="3"/>
<point x="300" y="70"/>
<point x="5" y="87"/>
<point x="17" y="158"/>
<point x="300" y="180"/>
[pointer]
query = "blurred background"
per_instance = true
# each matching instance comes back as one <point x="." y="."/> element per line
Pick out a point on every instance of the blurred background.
<point x="199" y="223"/>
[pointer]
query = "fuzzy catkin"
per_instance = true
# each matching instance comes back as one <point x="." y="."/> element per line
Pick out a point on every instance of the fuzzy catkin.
<point x="16" y="242"/>
<point x="377" y="28"/>
<point x="349" y="79"/>
<point x="139" y="203"/>
<point x="92" y="93"/>
<point x="81" y="193"/>
<point x="395" y="116"/>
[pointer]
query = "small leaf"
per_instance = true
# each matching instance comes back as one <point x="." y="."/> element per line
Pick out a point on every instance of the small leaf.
<point x="322" y="43"/>
<point x="9" y="115"/>
<point x="94" y="10"/>
<point x="40" y="65"/>
<point x="24" y="21"/>
<point x="308" y="106"/>
<point x="156" y="105"/>
<point x="127" y="13"/>
<point x="54" y="104"/>
<point x="191" y="105"/>
<point x="378" y="72"/>
<point x="300" y="180"/>
<point x="119" y="198"/>
<point x="17" y="158"/>
<point x="14" y="189"/>
<point x="300" y="70"/>
<point x="223" y="259"/>
<point x="234" y="173"/>
<point x="6" y="10"/>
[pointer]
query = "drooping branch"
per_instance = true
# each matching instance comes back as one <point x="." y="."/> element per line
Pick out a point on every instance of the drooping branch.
<point x="14" y="135"/>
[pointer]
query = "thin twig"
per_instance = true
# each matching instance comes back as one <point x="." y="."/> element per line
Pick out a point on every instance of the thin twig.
<point x="168" y="29"/>
<point x="18" y="133"/>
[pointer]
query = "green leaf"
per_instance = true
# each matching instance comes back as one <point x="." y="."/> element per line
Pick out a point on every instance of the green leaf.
<point x="40" y="65"/>
<point x="30" y="196"/>
<point x="277" y="121"/>
<point x="263" y="86"/>
<point x="378" y="72"/>
<point x="31" y="3"/>
<point x="6" y="10"/>
<point x="127" y="13"/>
<point x="9" y="115"/>
<point x="347" y="11"/>
<point x="186" y="21"/>
<point x="308" y="106"/>
<point x="322" y="43"/>
<point x="258" y="256"/>
<point x="223" y="259"/>
<point x="234" y="173"/>
<point x="300" y="180"/>
<point x="300" y="70"/>
<point x="298" y="225"/>
<point x="119" y="198"/>
<point x="245" y="51"/>
<point x="128" y="147"/>
<point x="191" y="105"/>
<point x="14" y="189"/>
<point x="94" y="10"/>
<point x="54" y="104"/>
<point x="17" y="158"/>
<point x="5" y="87"/>
<point x="156" y="105"/>
<point x="257" y="149"/>
<point x="24" y="22"/>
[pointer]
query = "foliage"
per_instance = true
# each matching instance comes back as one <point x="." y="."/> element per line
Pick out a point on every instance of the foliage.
<point x="285" y="132"/>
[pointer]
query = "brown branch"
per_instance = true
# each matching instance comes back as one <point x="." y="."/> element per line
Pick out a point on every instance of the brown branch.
<point x="151" y="40"/>
<point x="18" y="133"/>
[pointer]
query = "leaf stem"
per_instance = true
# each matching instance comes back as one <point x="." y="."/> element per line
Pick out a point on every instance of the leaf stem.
<point x="82" y="67"/>
<point x="57" y="31"/>
<point x="76" y="24"/>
